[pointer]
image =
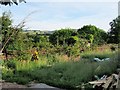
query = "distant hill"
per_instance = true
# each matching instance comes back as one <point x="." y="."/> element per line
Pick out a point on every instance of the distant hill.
<point x="38" y="31"/>
<point x="41" y="32"/>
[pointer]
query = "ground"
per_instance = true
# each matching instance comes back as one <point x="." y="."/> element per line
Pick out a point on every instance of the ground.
<point x="4" y="84"/>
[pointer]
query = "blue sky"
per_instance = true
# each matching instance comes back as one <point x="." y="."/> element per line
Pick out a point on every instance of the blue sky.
<point x="70" y="14"/>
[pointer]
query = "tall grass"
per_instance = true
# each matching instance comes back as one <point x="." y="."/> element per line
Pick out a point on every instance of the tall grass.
<point x="23" y="65"/>
<point x="63" y="74"/>
<point x="101" y="55"/>
<point x="73" y="74"/>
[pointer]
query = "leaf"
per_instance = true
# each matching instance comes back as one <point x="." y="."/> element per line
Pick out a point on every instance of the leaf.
<point x="22" y="1"/>
<point x="9" y="2"/>
<point x="15" y="1"/>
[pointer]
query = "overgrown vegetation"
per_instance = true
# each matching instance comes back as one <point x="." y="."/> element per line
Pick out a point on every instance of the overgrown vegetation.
<point x="70" y="74"/>
<point x="65" y="57"/>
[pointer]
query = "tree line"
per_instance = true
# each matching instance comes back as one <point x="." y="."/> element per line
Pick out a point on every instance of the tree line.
<point x="88" y="34"/>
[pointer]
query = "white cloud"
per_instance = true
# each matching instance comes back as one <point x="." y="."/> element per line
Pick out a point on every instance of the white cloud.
<point x="101" y="21"/>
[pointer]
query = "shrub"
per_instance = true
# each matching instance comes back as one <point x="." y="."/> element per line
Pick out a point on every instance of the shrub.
<point x="10" y="64"/>
<point x="23" y="55"/>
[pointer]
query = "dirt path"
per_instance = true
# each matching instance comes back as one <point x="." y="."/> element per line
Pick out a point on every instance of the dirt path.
<point x="9" y="85"/>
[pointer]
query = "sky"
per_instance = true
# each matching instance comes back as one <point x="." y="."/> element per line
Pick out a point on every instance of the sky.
<point x="56" y="14"/>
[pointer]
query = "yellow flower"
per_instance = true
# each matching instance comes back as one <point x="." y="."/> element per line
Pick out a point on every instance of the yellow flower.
<point x="36" y="52"/>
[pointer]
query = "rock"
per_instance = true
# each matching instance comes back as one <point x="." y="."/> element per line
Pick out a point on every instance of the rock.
<point x="42" y="85"/>
<point x="12" y="85"/>
<point x="32" y="86"/>
<point x="1" y="81"/>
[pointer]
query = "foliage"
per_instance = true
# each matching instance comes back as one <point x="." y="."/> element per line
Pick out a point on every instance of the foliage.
<point x="60" y="73"/>
<point x="10" y="2"/>
<point x="93" y="34"/>
<point x="63" y="37"/>
<point x="18" y="42"/>
<point x="92" y="54"/>
<point x="11" y="37"/>
<point x="63" y="74"/>
<point x="114" y="32"/>
<point x="5" y="26"/>
<point x="10" y="64"/>
<point x="56" y="64"/>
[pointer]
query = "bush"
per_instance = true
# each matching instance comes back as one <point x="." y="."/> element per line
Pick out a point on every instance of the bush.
<point x="23" y="55"/>
<point x="10" y="64"/>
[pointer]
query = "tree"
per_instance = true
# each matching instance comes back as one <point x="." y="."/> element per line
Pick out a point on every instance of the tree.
<point x="10" y="2"/>
<point x="5" y="29"/>
<point x="62" y="37"/>
<point x="5" y="24"/>
<point x="114" y="32"/>
<point x="93" y="34"/>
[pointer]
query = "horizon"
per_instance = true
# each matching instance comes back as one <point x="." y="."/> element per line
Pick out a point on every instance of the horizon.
<point x="56" y="15"/>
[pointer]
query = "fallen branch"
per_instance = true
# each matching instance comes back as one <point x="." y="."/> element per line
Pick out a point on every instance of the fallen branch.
<point x="109" y="82"/>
